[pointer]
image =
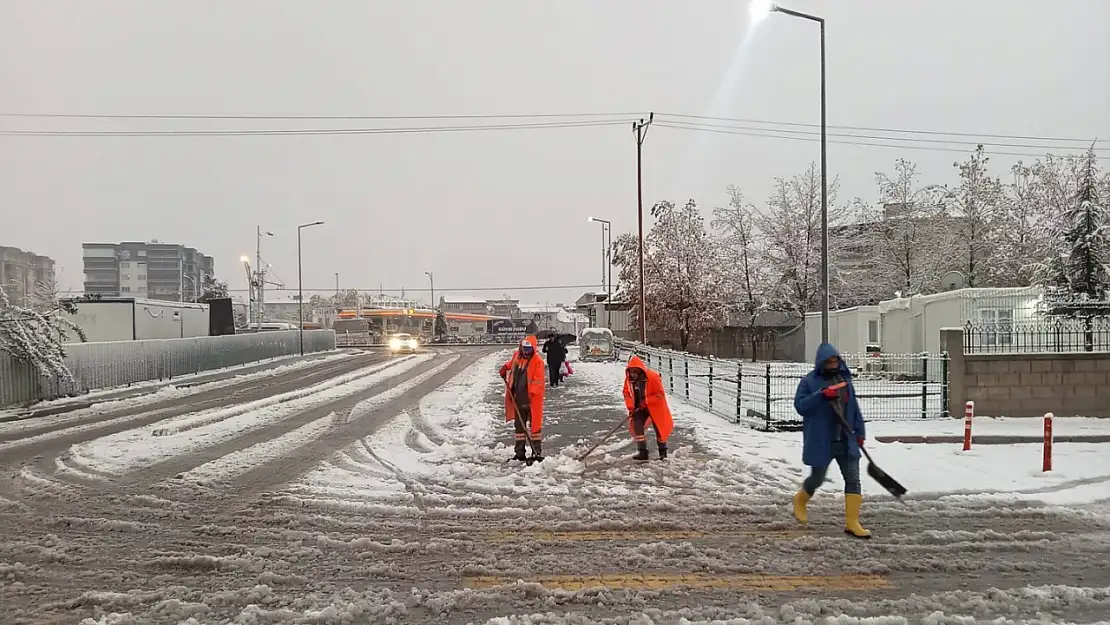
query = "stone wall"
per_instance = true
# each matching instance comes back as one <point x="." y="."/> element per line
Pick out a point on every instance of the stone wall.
<point x="1027" y="385"/>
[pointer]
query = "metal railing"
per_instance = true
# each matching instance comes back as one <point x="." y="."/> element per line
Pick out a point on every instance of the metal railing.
<point x="1043" y="335"/>
<point x="119" y="363"/>
<point x="889" y="387"/>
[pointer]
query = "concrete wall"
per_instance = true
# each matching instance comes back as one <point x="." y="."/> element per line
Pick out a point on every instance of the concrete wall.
<point x="1027" y="385"/>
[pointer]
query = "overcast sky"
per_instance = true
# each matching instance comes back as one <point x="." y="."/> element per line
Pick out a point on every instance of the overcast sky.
<point x="495" y="208"/>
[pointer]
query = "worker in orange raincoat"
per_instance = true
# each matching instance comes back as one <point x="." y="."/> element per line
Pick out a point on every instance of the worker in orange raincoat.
<point x="524" y="377"/>
<point x="647" y="403"/>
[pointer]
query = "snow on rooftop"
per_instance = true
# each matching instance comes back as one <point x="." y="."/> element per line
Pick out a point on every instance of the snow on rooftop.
<point x="463" y="299"/>
<point x="565" y="316"/>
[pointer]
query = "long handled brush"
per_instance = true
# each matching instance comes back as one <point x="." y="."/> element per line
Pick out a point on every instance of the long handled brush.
<point x="526" y="427"/>
<point x="882" y="477"/>
<point x="608" y="434"/>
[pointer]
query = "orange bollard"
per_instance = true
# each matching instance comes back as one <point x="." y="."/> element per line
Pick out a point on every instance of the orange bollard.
<point x="1046" y="463"/>
<point x="969" y="414"/>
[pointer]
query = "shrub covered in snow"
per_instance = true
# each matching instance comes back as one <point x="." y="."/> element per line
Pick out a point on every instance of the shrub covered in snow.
<point x="35" y="336"/>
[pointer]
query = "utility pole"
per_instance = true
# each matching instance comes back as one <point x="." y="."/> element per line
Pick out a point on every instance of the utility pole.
<point x="337" y="288"/>
<point x="260" y="275"/>
<point x="640" y="128"/>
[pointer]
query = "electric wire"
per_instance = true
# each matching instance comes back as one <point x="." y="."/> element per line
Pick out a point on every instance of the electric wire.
<point x="484" y="289"/>
<point x="902" y="146"/>
<point x="308" y="131"/>
<point x="496" y="116"/>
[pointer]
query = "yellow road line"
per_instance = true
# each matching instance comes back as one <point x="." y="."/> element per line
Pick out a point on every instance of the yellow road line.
<point x="640" y="535"/>
<point x="648" y="581"/>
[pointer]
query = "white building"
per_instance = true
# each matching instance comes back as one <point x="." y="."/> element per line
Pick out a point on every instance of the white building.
<point x="912" y="324"/>
<point x="126" y="319"/>
<point x="851" y="330"/>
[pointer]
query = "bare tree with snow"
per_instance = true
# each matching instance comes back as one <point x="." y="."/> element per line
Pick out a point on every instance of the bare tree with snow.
<point x="791" y="225"/>
<point x="745" y="280"/>
<point x="904" y="235"/>
<point x="681" y="281"/>
<point x="975" y="210"/>
<point x="1022" y="240"/>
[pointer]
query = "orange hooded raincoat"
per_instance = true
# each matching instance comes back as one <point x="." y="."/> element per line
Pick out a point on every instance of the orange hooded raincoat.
<point x="655" y="399"/>
<point x="536" y="371"/>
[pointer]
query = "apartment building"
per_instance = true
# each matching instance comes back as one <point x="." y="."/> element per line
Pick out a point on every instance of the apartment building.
<point x="154" y="270"/>
<point x="21" y="272"/>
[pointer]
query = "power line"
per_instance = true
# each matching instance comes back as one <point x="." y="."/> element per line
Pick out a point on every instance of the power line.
<point x="319" y="117"/>
<point x="484" y="289"/>
<point x="817" y="134"/>
<point x="308" y="131"/>
<point x="926" y="148"/>
<point x="492" y="116"/>
<point x="888" y="130"/>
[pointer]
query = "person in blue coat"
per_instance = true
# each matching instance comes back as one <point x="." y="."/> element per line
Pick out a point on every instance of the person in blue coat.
<point x="825" y="438"/>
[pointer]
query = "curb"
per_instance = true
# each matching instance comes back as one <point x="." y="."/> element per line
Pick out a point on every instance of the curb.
<point x="994" y="439"/>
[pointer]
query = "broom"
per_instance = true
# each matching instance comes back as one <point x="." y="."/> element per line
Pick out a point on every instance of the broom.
<point x="604" y="438"/>
<point x="882" y="477"/>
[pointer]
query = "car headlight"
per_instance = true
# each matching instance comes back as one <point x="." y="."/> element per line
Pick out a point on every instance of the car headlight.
<point x="395" y="344"/>
<point x="415" y="343"/>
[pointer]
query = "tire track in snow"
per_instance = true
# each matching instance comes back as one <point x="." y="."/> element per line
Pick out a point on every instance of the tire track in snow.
<point x="55" y="437"/>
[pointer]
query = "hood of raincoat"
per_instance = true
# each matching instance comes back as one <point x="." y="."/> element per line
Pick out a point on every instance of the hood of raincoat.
<point x="826" y="351"/>
<point x="635" y="363"/>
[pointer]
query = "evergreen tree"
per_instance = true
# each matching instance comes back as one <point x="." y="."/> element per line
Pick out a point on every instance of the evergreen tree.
<point x="1086" y="232"/>
<point x="440" y="327"/>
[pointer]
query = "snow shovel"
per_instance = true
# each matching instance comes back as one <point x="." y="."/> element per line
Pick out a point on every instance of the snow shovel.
<point x="603" y="439"/>
<point x="882" y="477"/>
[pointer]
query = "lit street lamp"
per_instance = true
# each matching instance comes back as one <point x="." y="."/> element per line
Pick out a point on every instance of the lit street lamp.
<point x="300" y="285"/>
<point x="606" y="266"/>
<point x="759" y="10"/>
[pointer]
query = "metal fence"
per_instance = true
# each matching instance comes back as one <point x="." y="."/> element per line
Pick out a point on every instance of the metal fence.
<point x="1041" y="335"/>
<point x="119" y="363"/>
<point x="892" y="387"/>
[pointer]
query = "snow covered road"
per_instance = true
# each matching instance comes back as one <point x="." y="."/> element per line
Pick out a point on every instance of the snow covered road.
<point x="386" y="498"/>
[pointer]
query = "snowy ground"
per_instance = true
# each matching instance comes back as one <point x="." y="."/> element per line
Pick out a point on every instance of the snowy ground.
<point x="387" y="498"/>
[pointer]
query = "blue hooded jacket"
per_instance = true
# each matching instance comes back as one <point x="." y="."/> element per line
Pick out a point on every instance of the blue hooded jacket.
<point x="819" y="421"/>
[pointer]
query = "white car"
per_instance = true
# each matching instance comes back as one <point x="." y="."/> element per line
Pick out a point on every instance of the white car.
<point x="403" y="343"/>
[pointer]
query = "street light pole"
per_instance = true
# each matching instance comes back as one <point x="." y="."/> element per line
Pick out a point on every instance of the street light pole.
<point x="759" y="10"/>
<point x="607" y="259"/>
<point x="640" y="128"/>
<point x="300" y="286"/>
<point x="432" y="284"/>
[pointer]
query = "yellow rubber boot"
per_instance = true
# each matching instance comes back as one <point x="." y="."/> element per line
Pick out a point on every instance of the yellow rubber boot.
<point x="852" y="505"/>
<point x="801" y="498"/>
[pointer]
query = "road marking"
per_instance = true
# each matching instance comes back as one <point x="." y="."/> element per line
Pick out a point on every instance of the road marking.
<point x="642" y="535"/>
<point x="649" y="581"/>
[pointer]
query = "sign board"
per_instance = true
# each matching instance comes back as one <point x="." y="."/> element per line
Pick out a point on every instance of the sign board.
<point x="508" y="326"/>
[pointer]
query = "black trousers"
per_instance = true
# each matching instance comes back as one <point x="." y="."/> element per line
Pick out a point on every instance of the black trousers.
<point x="555" y="371"/>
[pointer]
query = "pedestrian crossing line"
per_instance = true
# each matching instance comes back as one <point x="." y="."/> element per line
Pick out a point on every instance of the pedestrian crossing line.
<point x="648" y="535"/>
<point x="660" y="581"/>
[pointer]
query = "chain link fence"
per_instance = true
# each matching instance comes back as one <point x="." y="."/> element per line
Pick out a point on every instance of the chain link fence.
<point x="119" y="363"/>
<point x="889" y="387"/>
